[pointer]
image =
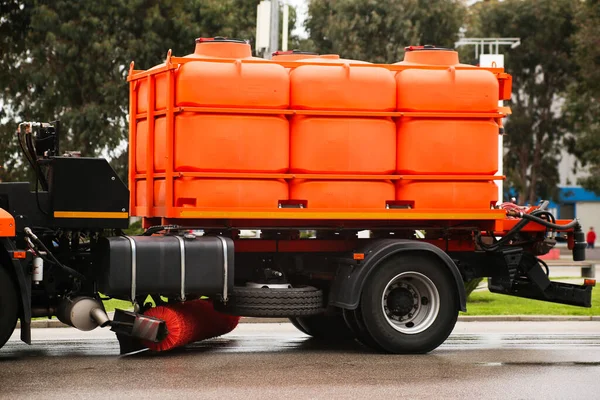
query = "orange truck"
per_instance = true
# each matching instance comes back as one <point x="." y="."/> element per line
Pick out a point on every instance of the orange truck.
<point x="373" y="190"/>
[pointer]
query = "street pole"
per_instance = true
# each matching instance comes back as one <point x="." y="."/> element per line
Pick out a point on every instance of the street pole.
<point x="284" y="33"/>
<point x="274" y="43"/>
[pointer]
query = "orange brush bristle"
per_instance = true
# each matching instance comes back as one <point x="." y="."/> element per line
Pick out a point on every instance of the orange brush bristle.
<point x="190" y="322"/>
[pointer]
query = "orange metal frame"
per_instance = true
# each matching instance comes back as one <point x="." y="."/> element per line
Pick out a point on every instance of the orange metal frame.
<point x="283" y="217"/>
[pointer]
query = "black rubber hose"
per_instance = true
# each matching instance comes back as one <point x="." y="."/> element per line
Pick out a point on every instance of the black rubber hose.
<point x="158" y="228"/>
<point x="520" y="225"/>
<point x="546" y="213"/>
<point x="550" y="225"/>
<point x="49" y="253"/>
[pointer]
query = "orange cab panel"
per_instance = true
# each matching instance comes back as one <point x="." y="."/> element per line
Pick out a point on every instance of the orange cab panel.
<point x="160" y="132"/>
<point x="447" y="90"/>
<point x="214" y="84"/>
<point x="343" y="194"/>
<point x="342" y="88"/>
<point x="7" y="224"/>
<point x="229" y="193"/>
<point x="447" y="195"/>
<point x="447" y="146"/>
<point x="231" y="143"/>
<point x="342" y="145"/>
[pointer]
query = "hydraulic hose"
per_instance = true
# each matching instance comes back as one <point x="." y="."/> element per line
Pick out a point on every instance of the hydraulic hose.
<point x="542" y="221"/>
<point x="71" y="271"/>
<point x="527" y="218"/>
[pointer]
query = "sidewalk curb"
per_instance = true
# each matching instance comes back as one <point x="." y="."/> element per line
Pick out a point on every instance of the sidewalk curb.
<point x="54" y="323"/>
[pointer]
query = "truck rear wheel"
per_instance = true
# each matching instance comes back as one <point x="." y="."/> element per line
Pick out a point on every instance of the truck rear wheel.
<point x="355" y="322"/>
<point x="9" y="306"/>
<point x="410" y="304"/>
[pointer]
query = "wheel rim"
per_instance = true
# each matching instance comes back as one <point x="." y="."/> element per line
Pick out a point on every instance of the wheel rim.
<point x="410" y="302"/>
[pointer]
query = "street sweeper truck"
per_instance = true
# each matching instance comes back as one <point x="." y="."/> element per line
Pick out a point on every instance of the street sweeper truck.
<point x="372" y="189"/>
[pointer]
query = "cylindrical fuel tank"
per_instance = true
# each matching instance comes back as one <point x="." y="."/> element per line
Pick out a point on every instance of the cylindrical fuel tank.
<point x="343" y="194"/>
<point x="342" y="145"/>
<point x="447" y="195"/>
<point x="164" y="265"/>
<point x="447" y="146"/>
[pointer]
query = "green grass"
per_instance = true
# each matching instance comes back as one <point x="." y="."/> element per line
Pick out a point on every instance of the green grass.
<point x="110" y="305"/>
<point x="486" y="303"/>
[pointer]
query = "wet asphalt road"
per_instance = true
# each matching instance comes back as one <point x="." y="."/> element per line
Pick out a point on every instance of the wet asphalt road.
<point x="524" y="360"/>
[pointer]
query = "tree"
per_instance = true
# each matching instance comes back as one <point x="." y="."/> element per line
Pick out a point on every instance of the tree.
<point x="378" y="31"/>
<point x="542" y="68"/>
<point x="583" y="103"/>
<point x="69" y="60"/>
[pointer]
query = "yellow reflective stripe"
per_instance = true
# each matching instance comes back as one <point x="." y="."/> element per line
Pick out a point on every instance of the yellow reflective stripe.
<point x="89" y="214"/>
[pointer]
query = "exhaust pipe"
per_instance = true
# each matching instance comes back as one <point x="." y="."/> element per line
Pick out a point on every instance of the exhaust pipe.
<point x="83" y="313"/>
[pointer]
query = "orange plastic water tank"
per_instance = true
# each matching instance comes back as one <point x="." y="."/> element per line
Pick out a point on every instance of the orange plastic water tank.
<point x="141" y="194"/>
<point x="222" y="84"/>
<point x="342" y="145"/>
<point x="200" y="138"/>
<point x="221" y="47"/>
<point x="444" y="90"/>
<point x="447" y="195"/>
<point x="343" y="194"/>
<point x="293" y="55"/>
<point x="447" y="146"/>
<point x="218" y="193"/>
<point x="160" y="127"/>
<point x="229" y="193"/>
<point x="236" y="85"/>
<point x="231" y="143"/>
<point x="332" y="87"/>
<point x="335" y="144"/>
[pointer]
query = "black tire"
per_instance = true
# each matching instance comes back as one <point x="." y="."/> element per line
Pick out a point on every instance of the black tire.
<point x="435" y="322"/>
<point x="273" y="303"/>
<point x="297" y="325"/>
<point x="9" y="306"/>
<point x="354" y="321"/>
<point x="327" y="327"/>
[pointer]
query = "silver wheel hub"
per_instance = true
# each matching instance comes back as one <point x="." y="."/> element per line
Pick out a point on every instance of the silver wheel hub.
<point x="410" y="302"/>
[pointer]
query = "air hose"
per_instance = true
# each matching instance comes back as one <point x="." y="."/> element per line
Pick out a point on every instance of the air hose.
<point x="534" y="216"/>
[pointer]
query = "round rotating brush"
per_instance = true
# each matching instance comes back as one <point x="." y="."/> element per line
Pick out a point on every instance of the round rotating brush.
<point x="189" y="322"/>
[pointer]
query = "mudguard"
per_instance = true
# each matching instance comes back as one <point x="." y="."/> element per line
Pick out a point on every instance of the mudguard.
<point x="352" y="275"/>
<point x="18" y="269"/>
